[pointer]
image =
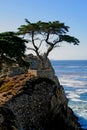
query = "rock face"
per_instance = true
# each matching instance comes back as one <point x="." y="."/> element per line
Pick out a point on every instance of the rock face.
<point x="32" y="100"/>
<point x="40" y="105"/>
<point x="7" y="119"/>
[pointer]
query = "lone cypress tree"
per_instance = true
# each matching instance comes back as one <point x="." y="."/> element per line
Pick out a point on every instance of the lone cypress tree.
<point x="52" y="34"/>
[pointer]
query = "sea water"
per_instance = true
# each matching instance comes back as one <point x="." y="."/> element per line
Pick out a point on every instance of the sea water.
<point x="72" y="74"/>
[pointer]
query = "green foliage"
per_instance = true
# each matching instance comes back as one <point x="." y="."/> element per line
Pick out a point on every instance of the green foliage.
<point x="52" y="34"/>
<point x="11" y="45"/>
<point x="43" y="27"/>
<point x="69" y="39"/>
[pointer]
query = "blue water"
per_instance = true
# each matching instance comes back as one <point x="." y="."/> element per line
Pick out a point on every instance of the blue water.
<point x="72" y="74"/>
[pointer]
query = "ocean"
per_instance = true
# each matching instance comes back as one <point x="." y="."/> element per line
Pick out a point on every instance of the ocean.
<point x="72" y="75"/>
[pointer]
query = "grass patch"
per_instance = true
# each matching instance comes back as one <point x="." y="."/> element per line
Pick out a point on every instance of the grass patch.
<point x="6" y="87"/>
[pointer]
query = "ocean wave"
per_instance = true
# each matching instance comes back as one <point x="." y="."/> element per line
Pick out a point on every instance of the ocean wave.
<point x="78" y="100"/>
<point x="72" y="82"/>
<point x="75" y="97"/>
<point x="73" y="76"/>
<point x="82" y="121"/>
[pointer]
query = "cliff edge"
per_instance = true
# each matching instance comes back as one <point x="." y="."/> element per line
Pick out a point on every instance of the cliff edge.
<point x="33" y="99"/>
<point x="39" y="104"/>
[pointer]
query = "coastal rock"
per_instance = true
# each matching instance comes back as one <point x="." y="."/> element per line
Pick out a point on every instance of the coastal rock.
<point x="41" y="105"/>
<point x="16" y="71"/>
<point x="32" y="101"/>
<point x="7" y="119"/>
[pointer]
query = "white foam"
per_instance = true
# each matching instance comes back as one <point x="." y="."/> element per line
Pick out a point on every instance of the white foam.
<point x="72" y="82"/>
<point x="73" y="95"/>
<point x="75" y="85"/>
<point x="80" y="91"/>
<point x="77" y="100"/>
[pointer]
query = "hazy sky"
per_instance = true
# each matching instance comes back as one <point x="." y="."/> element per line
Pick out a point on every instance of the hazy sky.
<point x="72" y="12"/>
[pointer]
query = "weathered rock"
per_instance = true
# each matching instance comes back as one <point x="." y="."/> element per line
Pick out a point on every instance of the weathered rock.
<point x="36" y="63"/>
<point x="7" y="119"/>
<point x="16" y="71"/>
<point x="34" y="103"/>
<point x="42" y="105"/>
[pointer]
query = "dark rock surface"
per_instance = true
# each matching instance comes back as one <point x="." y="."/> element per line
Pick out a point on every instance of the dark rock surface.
<point x="7" y="119"/>
<point x="29" y="103"/>
<point x="39" y="105"/>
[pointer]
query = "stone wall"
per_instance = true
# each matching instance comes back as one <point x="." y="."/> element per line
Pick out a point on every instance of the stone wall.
<point x="42" y="73"/>
<point x="48" y="73"/>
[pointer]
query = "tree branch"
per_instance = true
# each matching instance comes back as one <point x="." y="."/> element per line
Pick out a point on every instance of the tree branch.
<point x="31" y="49"/>
<point x="36" y="48"/>
<point x="49" y="50"/>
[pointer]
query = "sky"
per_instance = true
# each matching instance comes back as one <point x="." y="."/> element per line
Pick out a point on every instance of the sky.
<point x="71" y="12"/>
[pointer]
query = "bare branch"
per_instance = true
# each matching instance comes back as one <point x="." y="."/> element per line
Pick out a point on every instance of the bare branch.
<point x="40" y="43"/>
<point x="31" y="49"/>
<point x="36" y="38"/>
<point x="49" y="50"/>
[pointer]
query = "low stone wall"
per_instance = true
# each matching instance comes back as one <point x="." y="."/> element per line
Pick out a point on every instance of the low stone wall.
<point x="42" y="73"/>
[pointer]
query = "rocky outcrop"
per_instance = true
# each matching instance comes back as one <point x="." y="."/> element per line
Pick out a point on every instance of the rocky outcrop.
<point x="7" y="119"/>
<point x="40" y="104"/>
<point x="32" y="100"/>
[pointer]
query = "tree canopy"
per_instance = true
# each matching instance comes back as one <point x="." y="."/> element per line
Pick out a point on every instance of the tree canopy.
<point x="52" y="34"/>
<point x="39" y="34"/>
<point x="11" y="45"/>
